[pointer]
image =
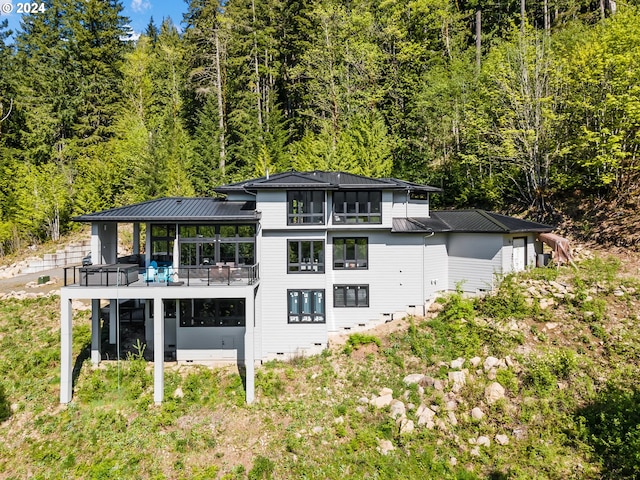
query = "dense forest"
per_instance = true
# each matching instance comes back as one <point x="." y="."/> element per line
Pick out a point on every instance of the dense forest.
<point x="502" y="102"/>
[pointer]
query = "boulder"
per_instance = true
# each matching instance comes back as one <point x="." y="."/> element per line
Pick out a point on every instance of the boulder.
<point x="459" y="380"/>
<point x="491" y="362"/>
<point x="385" y="446"/>
<point x="493" y="393"/>
<point x="425" y="416"/>
<point x="502" y="439"/>
<point x="414" y="378"/>
<point x="382" y="401"/>
<point x="397" y="409"/>
<point x="483" y="441"/>
<point x="406" y="426"/>
<point x="477" y="414"/>
<point x="457" y="363"/>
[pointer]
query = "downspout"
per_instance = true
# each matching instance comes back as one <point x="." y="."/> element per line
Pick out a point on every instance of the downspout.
<point x="424" y="247"/>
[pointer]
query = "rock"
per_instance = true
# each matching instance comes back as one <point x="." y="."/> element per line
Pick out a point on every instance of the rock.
<point x="493" y="393"/>
<point x="475" y="452"/>
<point x="438" y="385"/>
<point x="178" y="393"/>
<point x="618" y="293"/>
<point x="452" y="418"/>
<point x="385" y="391"/>
<point x="317" y="430"/>
<point x="338" y="420"/>
<point x="483" y="441"/>
<point x="406" y="426"/>
<point x="397" y="409"/>
<point x="384" y="447"/>
<point x="490" y="362"/>
<point x="477" y="414"/>
<point x="502" y="439"/>
<point x="453" y="461"/>
<point x="413" y="378"/>
<point x="510" y="362"/>
<point x="382" y="401"/>
<point x="436" y="307"/>
<point x="459" y="380"/>
<point x="492" y="374"/>
<point x="475" y="361"/>
<point x="546" y="303"/>
<point x="550" y="325"/>
<point x="363" y="400"/>
<point x="425" y="416"/>
<point x="457" y="363"/>
<point x="451" y="405"/>
<point x="361" y="410"/>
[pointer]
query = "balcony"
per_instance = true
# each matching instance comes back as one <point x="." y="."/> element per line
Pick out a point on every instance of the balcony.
<point x="131" y="275"/>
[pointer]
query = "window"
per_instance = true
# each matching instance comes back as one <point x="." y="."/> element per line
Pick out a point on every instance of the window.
<point x="211" y="244"/>
<point x="306" y="306"/>
<point x="357" y="207"/>
<point x="350" y="253"/>
<point x="212" y="312"/>
<point x="162" y="238"/>
<point x="306" y="256"/>
<point x="413" y="195"/>
<point x="351" y="295"/>
<point x="305" y="207"/>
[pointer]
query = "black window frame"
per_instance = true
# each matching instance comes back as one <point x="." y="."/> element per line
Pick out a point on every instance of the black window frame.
<point x="213" y="312"/>
<point x="309" y="266"/>
<point x="344" y="296"/>
<point x="355" y="263"/>
<point x="357" y="206"/>
<point x="299" y="202"/>
<point x="312" y="317"/>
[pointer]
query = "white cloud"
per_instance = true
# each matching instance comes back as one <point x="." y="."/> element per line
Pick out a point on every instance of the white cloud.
<point x="140" y="5"/>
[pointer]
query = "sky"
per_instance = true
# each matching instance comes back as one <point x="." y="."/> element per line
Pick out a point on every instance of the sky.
<point x="138" y="11"/>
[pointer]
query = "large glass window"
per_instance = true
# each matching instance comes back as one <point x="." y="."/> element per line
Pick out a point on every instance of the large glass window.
<point x="357" y="207"/>
<point x="162" y="238"/>
<point x="306" y="306"/>
<point x="351" y="295"/>
<point x="212" y="312"/>
<point x="350" y="253"/>
<point x="305" y="207"/>
<point x="306" y="256"/>
<point x="211" y="244"/>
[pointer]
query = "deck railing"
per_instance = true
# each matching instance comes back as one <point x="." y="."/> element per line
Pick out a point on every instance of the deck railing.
<point x="200" y="275"/>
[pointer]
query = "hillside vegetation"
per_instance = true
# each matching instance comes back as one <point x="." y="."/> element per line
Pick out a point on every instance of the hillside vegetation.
<point x="537" y="380"/>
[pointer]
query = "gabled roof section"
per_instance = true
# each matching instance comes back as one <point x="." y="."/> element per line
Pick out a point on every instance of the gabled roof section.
<point x="174" y="209"/>
<point x="467" y="221"/>
<point x="321" y="180"/>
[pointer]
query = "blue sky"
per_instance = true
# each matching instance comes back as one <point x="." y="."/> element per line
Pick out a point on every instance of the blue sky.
<point x="138" y="11"/>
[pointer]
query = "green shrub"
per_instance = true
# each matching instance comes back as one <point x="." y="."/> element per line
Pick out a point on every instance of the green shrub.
<point x="5" y="408"/>
<point x="356" y="340"/>
<point x="262" y="469"/>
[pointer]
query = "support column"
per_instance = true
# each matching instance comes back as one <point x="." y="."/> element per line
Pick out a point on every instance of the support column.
<point x="249" y="352"/>
<point x="96" y="332"/>
<point x="148" y="324"/>
<point x="158" y="350"/>
<point x="113" y="314"/>
<point x="136" y="238"/>
<point x="66" y="350"/>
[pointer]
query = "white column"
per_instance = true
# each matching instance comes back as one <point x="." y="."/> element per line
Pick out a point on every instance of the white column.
<point x="66" y="350"/>
<point x="158" y="350"/>
<point x="96" y="332"/>
<point x="249" y="351"/>
<point x="148" y="324"/>
<point x="113" y="314"/>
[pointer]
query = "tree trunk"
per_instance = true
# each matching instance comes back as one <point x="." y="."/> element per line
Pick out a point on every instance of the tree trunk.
<point x="478" y="38"/>
<point x="523" y="15"/>
<point x="547" y="18"/>
<point x="223" y="154"/>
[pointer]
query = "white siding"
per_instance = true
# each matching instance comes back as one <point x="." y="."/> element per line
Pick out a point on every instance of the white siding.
<point x="533" y="248"/>
<point x="204" y="344"/>
<point x="404" y="207"/>
<point x="277" y="335"/>
<point x="474" y="260"/>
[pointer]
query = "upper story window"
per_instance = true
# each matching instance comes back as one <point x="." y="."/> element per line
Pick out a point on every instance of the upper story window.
<point x="305" y="256"/>
<point x="357" y="207"/>
<point x="305" y="207"/>
<point x="350" y="253"/>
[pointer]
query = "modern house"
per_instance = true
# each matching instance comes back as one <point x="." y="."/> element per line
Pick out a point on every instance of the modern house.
<point x="280" y="263"/>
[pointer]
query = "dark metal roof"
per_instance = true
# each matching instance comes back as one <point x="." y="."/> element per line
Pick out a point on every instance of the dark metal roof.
<point x="177" y="209"/>
<point x="471" y="221"/>
<point x="321" y="180"/>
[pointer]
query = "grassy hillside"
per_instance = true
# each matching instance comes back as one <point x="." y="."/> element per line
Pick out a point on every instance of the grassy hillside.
<point x="564" y="345"/>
